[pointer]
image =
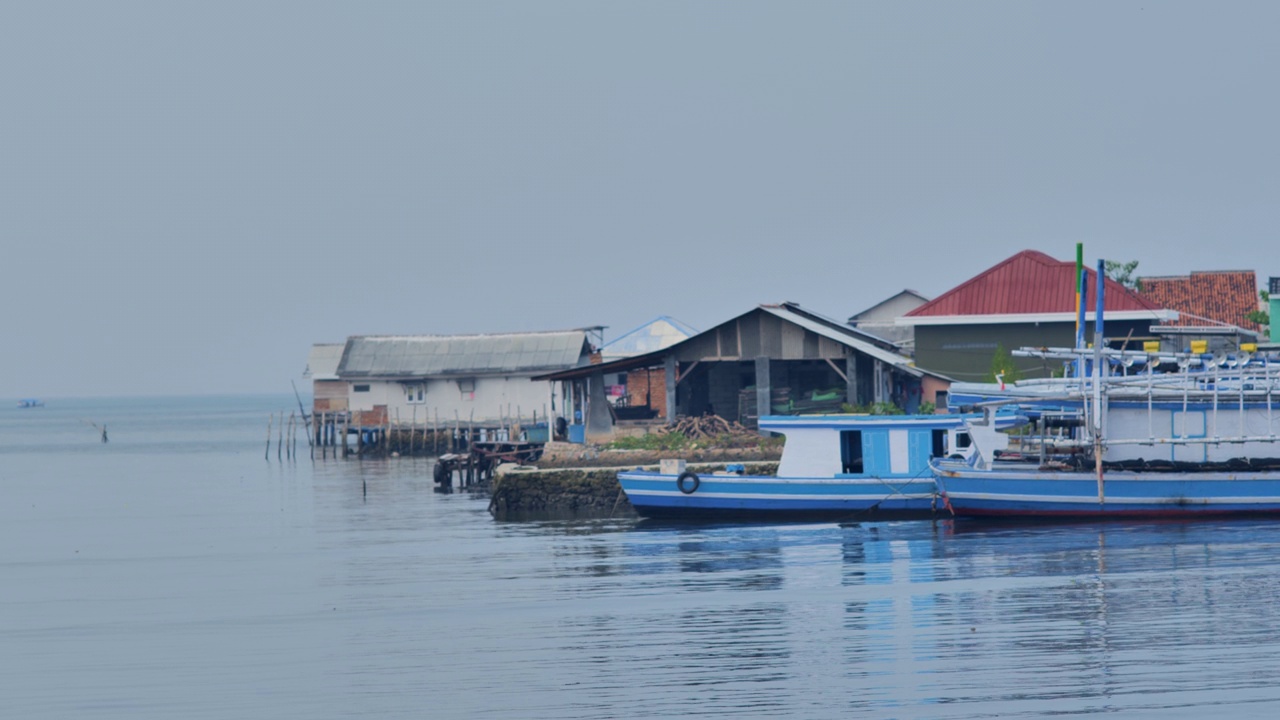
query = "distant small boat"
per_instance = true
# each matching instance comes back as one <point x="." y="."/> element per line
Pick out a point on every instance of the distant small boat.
<point x="30" y="403"/>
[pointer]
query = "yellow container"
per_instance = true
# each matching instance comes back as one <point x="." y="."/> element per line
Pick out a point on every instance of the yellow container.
<point x="1151" y="346"/>
<point x="1248" y="347"/>
<point x="1199" y="347"/>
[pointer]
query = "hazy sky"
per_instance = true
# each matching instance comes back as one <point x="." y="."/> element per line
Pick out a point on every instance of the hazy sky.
<point x="194" y="192"/>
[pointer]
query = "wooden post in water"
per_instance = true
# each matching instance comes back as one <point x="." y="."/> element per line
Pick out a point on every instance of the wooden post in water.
<point x="303" y="414"/>
<point x="280" y="440"/>
<point x="346" y="422"/>
<point x="267" y="454"/>
<point x="435" y="433"/>
<point x="413" y="428"/>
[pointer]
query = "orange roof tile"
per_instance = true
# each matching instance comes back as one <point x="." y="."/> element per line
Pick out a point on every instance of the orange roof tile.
<point x="1208" y="297"/>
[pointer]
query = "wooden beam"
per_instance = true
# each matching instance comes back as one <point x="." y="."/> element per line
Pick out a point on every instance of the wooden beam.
<point x="839" y="372"/>
<point x="680" y="378"/>
<point x="851" y="381"/>
<point x="669" y="379"/>
<point x="763" y="390"/>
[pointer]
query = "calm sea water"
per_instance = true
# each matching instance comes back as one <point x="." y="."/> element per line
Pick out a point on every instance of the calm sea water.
<point x="174" y="572"/>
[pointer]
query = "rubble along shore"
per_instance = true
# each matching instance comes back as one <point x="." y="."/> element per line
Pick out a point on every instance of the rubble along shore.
<point x="576" y="481"/>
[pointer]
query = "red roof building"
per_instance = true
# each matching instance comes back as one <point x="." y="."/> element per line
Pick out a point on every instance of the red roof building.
<point x="1029" y="284"/>
<point x="1028" y="300"/>
<point x="1207" y="299"/>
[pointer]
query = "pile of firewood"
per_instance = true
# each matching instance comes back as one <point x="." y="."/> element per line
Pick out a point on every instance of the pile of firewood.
<point x="708" y="426"/>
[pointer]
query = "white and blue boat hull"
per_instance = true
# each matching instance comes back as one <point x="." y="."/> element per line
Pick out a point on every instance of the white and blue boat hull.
<point x="654" y="494"/>
<point x="1030" y="493"/>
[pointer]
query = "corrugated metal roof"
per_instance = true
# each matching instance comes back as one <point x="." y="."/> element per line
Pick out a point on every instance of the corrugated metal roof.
<point x="322" y="361"/>
<point x="1207" y="298"/>
<point x="844" y="337"/>
<point x="443" y="355"/>
<point x="790" y="312"/>
<point x="1028" y="283"/>
<point x="659" y="333"/>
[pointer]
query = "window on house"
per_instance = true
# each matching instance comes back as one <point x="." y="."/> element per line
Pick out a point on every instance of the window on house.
<point x="851" y="451"/>
<point x="415" y="394"/>
<point x="359" y="388"/>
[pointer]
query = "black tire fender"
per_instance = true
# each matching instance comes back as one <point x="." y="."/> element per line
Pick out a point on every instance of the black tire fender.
<point x="442" y="473"/>
<point x="693" y="482"/>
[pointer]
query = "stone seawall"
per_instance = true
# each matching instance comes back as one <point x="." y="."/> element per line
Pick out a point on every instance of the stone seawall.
<point x="582" y="492"/>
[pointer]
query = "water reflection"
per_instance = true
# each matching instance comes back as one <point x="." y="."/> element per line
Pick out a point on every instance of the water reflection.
<point x="947" y="619"/>
<point x="367" y="593"/>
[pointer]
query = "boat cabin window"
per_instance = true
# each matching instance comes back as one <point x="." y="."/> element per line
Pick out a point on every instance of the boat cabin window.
<point x="851" y="451"/>
<point x="939" y="442"/>
<point x="963" y="440"/>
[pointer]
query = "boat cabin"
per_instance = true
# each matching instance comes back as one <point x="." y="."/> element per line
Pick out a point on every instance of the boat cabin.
<point x="867" y="446"/>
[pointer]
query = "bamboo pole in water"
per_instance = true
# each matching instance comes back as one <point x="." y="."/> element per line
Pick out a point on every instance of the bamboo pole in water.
<point x="267" y="454"/>
<point x="280" y="439"/>
<point x="303" y="413"/>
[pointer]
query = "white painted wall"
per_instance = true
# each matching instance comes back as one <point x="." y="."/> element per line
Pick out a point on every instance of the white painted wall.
<point x="1135" y="423"/>
<point x="811" y="453"/>
<point x="492" y="399"/>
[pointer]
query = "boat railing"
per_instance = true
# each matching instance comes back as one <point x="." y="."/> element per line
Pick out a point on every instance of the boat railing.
<point x="1238" y="384"/>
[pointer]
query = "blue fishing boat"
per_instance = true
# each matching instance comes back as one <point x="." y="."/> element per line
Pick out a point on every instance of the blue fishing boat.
<point x="1208" y="449"/>
<point x="30" y="403"/>
<point x="1130" y="434"/>
<point x="833" y="466"/>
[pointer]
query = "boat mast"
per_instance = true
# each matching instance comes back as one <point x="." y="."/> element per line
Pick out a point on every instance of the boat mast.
<point x="1097" y="379"/>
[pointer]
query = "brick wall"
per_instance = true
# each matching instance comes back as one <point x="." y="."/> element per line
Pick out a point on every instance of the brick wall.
<point x="648" y="387"/>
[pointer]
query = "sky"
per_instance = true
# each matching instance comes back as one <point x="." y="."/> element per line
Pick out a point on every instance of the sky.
<point x="193" y="193"/>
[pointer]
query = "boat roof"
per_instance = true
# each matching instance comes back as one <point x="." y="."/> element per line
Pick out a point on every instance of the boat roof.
<point x="780" y="423"/>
